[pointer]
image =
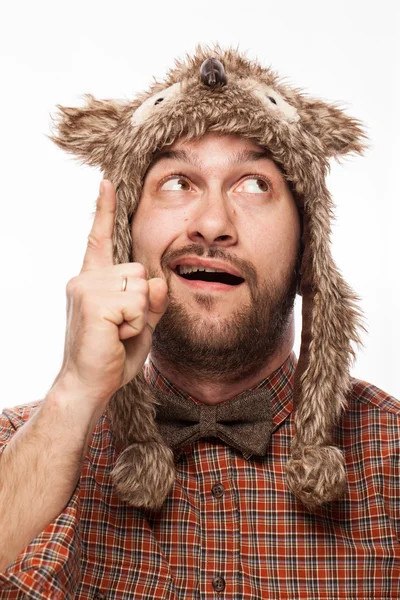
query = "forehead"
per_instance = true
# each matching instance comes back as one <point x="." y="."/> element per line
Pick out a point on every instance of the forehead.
<point x="212" y="138"/>
<point x="213" y="151"/>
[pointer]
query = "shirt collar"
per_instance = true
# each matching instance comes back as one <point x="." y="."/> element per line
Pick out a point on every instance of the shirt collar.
<point x="280" y="385"/>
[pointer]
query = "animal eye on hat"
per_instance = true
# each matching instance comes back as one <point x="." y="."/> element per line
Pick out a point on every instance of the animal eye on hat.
<point x="217" y="90"/>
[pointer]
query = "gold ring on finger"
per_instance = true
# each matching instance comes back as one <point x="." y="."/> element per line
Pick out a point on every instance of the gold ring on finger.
<point x="124" y="283"/>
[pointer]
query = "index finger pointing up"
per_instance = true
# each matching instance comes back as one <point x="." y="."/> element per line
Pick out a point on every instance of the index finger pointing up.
<point x="99" y="251"/>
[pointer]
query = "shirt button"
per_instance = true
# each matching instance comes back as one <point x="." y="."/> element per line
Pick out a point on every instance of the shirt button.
<point x="218" y="490"/>
<point x="218" y="584"/>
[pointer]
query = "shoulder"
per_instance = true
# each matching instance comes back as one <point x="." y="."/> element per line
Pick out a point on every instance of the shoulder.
<point x="364" y="394"/>
<point x="371" y="416"/>
<point x="16" y="416"/>
<point x="11" y="419"/>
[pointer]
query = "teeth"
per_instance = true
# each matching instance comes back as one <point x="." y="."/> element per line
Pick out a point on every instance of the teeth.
<point x="182" y="269"/>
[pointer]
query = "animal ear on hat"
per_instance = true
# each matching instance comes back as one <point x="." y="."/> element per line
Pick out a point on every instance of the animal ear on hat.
<point x="337" y="132"/>
<point x="87" y="131"/>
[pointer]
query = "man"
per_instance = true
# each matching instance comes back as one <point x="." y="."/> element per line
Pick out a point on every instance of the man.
<point x="262" y="477"/>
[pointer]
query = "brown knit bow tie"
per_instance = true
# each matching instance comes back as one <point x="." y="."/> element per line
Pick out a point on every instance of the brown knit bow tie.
<point x="245" y="422"/>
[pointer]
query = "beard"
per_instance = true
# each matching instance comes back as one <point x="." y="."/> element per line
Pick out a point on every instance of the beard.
<point x="232" y="348"/>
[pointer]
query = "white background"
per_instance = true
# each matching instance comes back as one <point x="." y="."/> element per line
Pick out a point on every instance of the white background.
<point x="51" y="53"/>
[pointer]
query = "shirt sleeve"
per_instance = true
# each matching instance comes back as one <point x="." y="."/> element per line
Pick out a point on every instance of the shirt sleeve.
<point x="391" y="471"/>
<point x="50" y="566"/>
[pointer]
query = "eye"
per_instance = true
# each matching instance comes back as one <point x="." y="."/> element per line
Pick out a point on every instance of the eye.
<point x="254" y="185"/>
<point x="158" y="101"/>
<point x="175" y="184"/>
<point x="272" y="99"/>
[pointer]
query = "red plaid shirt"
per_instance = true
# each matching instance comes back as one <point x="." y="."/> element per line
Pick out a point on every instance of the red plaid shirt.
<point x="230" y="528"/>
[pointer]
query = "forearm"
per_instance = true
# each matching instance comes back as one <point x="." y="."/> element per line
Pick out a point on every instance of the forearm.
<point x="40" y="467"/>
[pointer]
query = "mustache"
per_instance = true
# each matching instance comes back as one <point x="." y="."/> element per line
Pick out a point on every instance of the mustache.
<point x="244" y="266"/>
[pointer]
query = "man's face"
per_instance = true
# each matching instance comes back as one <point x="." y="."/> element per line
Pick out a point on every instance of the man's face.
<point x="218" y="222"/>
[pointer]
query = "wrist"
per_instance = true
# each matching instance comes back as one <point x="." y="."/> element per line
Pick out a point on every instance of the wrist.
<point x="69" y="394"/>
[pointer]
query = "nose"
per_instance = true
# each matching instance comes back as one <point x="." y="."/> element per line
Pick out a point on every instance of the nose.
<point x="212" y="223"/>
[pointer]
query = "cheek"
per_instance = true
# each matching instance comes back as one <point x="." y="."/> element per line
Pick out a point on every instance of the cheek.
<point x="153" y="233"/>
<point x="287" y="247"/>
<point x="276" y="246"/>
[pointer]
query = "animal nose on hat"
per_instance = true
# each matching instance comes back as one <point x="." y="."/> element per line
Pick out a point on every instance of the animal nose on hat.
<point x="212" y="73"/>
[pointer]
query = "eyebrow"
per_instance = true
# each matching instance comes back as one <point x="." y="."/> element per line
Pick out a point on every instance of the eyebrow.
<point x="236" y="158"/>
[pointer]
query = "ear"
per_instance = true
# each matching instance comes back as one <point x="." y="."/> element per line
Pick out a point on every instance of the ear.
<point x="86" y="131"/>
<point x="336" y="131"/>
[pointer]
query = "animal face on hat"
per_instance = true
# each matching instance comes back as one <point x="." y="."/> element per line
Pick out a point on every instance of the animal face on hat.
<point x="222" y="91"/>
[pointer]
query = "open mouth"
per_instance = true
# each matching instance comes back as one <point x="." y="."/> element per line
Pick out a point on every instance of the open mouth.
<point x="197" y="273"/>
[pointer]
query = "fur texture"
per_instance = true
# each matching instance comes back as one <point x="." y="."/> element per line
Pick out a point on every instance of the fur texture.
<point x="301" y="134"/>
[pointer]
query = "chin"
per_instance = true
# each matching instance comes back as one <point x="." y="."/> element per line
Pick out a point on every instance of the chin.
<point x="200" y="341"/>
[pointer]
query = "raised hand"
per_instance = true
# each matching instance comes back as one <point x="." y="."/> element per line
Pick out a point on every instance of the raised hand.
<point x="109" y="331"/>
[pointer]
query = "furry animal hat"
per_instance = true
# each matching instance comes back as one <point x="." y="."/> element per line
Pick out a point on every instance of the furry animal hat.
<point x="222" y="91"/>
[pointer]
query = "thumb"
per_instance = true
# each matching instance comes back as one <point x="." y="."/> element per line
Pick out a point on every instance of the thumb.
<point x="158" y="300"/>
<point x="137" y="347"/>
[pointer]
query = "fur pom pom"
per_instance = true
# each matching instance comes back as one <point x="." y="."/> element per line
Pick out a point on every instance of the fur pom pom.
<point x="144" y="474"/>
<point x="316" y="474"/>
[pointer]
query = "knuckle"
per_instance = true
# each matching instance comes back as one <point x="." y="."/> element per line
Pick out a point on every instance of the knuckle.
<point x="138" y="270"/>
<point x="93" y="242"/>
<point x="96" y="243"/>
<point x="141" y="303"/>
<point x="142" y="287"/>
<point x="73" y="286"/>
<point x="138" y="322"/>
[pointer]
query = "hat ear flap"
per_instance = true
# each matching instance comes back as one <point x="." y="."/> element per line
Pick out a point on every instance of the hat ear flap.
<point x="330" y="323"/>
<point x="338" y="133"/>
<point x="87" y="131"/>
